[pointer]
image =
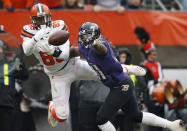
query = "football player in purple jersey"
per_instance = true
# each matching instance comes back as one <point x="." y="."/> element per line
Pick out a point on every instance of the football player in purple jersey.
<point x="99" y="55"/>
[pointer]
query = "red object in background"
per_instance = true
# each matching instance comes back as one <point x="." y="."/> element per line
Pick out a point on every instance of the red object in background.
<point x="162" y="93"/>
<point x="149" y="46"/>
<point x="51" y="3"/>
<point x="19" y="4"/>
<point x="177" y="87"/>
<point x="181" y="101"/>
<point x="154" y="68"/>
<point x="166" y="28"/>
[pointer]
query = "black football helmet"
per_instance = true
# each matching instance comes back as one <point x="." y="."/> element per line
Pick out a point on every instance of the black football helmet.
<point x="88" y="32"/>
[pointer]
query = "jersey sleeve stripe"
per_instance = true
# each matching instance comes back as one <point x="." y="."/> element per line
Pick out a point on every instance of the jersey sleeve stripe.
<point x="65" y="28"/>
<point x="26" y="34"/>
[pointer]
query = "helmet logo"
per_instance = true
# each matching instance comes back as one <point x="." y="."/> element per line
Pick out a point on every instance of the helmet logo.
<point x="93" y="30"/>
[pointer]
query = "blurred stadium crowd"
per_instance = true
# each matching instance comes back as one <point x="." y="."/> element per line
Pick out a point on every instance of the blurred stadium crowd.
<point x="98" y="5"/>
<point x="153" y="92"/>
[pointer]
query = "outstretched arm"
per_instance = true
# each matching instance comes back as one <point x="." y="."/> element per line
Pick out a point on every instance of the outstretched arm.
<point x="74" y="52"/>
<point x="99" y="48"/>
<point x="28" y="44"/>
<point x="134" y="69"/>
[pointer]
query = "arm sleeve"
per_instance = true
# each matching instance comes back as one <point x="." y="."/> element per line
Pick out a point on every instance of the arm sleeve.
<point x="28" y="44"/>
<point x="133" y="69"/>
<point x="65" y="48"/>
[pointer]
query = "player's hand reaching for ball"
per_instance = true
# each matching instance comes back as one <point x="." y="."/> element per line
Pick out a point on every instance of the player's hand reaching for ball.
<point x="98" y="47"/>
<point x="42" y="34"/>
<point x="97" y="41"/>
<point x="46" y="48"/>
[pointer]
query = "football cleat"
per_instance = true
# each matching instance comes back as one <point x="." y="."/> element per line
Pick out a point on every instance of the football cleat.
<point x="177" y="125"/>
<point x="52" y="122"/>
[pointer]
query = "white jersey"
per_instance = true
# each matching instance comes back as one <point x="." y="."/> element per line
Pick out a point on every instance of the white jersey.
<point x="60" y="79"/>
<point x="51" y="64"/>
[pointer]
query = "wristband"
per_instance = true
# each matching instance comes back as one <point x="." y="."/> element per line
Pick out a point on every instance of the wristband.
<point x="57" y="52"/>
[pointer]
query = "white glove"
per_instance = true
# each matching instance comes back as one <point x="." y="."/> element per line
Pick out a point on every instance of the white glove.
<point x="96" y="41"/>
<point x="46" y="48"/>
<point x="133" y="69"/>
<point x="42" y="34"/>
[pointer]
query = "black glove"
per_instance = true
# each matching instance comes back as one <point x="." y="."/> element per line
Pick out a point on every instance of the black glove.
<point x="22" y="73"/>
<point x="142" y="34"/>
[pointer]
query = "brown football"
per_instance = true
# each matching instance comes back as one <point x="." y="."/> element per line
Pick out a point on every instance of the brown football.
<point x="58" y="38"/>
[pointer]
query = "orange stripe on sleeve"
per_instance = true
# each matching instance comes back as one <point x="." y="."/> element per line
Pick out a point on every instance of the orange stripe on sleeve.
<point x="26" y="34"/>
<point x="65" y="28"/>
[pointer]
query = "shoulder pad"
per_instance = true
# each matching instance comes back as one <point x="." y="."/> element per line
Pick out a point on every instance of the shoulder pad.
<point x="28" y="31"/>
<point x="60" y="24"/>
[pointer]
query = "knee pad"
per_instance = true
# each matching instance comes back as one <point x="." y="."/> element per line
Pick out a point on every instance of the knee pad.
<point x="62" y="111"/>
<point x="101" y="120"/>
<point x="137" y="117"/>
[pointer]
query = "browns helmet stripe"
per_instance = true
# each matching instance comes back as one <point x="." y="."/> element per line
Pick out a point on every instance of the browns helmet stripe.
<point x="42" y="8"/>
<point x="37" y="7"/>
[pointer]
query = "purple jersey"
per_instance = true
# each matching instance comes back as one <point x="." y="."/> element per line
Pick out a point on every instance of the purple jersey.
<point x="107" y="67"/>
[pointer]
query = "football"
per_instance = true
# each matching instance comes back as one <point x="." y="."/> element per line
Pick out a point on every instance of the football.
<point x="58" y="38"/>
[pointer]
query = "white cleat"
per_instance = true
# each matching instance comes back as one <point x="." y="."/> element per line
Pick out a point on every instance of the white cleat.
<point x="177" y="125"/>
<point x="52" y="122"/>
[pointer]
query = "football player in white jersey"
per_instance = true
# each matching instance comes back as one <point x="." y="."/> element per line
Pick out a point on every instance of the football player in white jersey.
<point x="61" y="69"/>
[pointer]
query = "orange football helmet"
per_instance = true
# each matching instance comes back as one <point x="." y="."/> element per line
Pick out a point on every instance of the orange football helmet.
<point x="40" y="16"/>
